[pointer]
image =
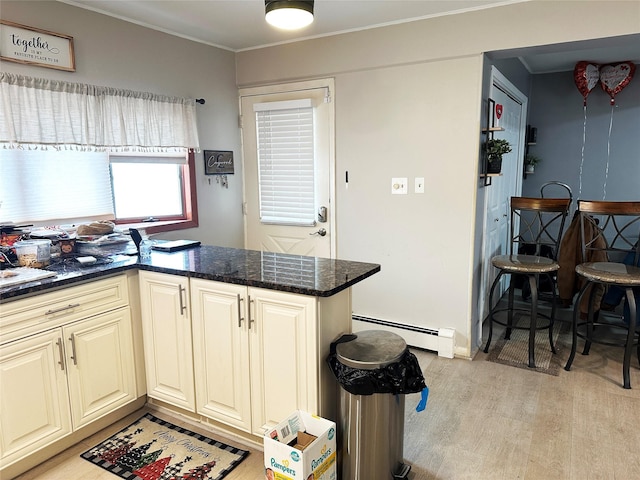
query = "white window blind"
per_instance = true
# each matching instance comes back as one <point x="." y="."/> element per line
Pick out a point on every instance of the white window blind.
<point x="286" y="162"/>
<point x="37" y="185"/>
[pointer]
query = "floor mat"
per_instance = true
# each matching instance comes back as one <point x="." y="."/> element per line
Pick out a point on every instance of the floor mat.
<point x="154" y="449"/>
<point x="515" y="352"/>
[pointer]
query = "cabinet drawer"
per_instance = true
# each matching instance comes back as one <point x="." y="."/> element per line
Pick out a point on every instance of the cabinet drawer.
<point x="49" y="310"/>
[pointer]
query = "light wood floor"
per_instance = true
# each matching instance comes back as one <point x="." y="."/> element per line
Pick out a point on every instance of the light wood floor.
<point x="485" y="421"/>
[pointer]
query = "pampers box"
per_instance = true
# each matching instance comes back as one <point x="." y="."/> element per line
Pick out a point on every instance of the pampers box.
<point x="302" y="447"/>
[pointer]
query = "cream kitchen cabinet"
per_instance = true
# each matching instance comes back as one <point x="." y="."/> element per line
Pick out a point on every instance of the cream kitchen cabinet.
<point x="166" y="333"/>
<point x="260" y="344"/>
<point x="259" y="354"/>
<point x="100" y="365"/>
<point x="245" y="357"/>
<point x="221" y="352"/>
<point x="282" y="339"/>
<point x="74" y="372"/>
<point x="34" y="401"/>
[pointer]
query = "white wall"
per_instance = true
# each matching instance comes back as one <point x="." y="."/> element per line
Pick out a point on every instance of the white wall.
<point x="408" y="103"/>
<point x="422" y="241"/>
<point x="118" y="54"/>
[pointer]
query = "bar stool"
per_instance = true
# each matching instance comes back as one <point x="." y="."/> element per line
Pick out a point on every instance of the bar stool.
<point x="618" y="235"/>
<point x="539" y="222"/>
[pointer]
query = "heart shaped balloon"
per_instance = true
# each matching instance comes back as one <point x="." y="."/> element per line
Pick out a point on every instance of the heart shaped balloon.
<point x="615" y="77"/>
<point x="586" y="75"/>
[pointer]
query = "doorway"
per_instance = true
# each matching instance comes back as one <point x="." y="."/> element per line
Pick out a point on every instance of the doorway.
<point x="289" y="206"/>
<point x="513" y="121"/>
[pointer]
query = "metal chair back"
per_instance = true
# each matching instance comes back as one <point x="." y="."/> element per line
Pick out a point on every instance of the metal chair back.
<point x="537" y="223"/>
<point x="618" y="231"/>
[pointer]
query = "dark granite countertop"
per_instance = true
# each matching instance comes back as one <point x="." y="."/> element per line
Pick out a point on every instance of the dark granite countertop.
<point x="319" y="277"/>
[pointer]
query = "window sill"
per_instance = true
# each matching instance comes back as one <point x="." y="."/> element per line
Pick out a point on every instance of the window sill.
<point x="161" y="226"/>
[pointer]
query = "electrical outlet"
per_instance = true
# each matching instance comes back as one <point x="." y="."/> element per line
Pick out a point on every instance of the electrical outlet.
<point x="419" y="185"/>
<point x="399" y="186"/>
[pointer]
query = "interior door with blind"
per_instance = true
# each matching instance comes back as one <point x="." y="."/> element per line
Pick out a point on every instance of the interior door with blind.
<point x="288" y="155"/>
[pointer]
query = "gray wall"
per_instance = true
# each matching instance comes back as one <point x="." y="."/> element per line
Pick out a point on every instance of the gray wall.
<point x="118" y="54"/>
<point x="556" y="109"/>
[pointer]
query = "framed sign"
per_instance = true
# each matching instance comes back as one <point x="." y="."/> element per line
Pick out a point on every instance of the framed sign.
<point x="33" y="46"/>
<point x="218" y="162"/>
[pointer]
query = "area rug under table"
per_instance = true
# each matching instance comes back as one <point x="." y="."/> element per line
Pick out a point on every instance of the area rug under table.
<point x="515" y="351"/>
<point x="154" y="449"/>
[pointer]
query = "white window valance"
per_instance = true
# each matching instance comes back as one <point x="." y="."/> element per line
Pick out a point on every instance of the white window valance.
<point x="41" y="113"/>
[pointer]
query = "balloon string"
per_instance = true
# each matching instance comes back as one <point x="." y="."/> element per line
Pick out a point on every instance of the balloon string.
<point x="606" y="172"/>
<point x="584" y="138"/>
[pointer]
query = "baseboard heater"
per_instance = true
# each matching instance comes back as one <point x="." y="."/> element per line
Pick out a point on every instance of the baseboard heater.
<point x="441" y="340"/>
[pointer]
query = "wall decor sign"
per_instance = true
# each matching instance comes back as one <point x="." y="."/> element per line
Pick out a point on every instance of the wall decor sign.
<point x="33" y="46"/>
<point x="218" y="162"/>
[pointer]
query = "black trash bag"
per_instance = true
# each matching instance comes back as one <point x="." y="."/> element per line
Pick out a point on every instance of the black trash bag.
<point x="403" y="376"/>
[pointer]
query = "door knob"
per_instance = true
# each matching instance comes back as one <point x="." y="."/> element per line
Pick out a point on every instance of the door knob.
<point x="322" y="232"/>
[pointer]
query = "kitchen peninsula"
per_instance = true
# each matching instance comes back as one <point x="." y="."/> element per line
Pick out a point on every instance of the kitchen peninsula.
<point x="233" y="338"/>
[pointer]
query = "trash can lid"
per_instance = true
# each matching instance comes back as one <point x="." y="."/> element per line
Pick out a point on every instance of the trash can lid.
<point x="371" y="349"/>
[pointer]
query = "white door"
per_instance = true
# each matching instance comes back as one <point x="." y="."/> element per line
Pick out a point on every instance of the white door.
<point x="313" y="232"/>
<point x="513" y="106"/>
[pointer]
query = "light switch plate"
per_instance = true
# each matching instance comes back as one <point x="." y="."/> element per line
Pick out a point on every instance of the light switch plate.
<point x="399" y="186"/>
<point x="419" y="185"/>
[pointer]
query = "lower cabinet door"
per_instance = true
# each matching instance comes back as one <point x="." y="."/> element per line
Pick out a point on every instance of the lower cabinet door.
<point x="34" y="403"/>
<point x="282" y="342"/>
<point x="101" y="368"/>
<point x="166" y="332"/>
<point x="221" y="352"/>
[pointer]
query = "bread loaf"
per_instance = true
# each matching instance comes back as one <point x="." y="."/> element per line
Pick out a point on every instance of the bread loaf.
<point x="103" y="227"/>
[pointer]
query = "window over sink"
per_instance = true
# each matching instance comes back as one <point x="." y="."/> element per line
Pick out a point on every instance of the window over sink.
<point x="66" y="186"/>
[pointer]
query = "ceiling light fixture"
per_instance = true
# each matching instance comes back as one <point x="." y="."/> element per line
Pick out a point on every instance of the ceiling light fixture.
<point x="289" y="14"/>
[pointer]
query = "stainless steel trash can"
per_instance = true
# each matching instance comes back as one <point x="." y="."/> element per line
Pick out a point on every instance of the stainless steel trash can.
<point x="371" y="427"/>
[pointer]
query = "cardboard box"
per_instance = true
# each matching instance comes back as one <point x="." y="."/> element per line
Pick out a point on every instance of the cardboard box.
<point x="314" y="459"/>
